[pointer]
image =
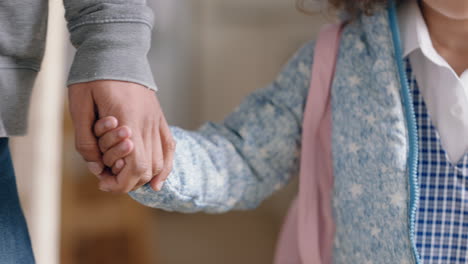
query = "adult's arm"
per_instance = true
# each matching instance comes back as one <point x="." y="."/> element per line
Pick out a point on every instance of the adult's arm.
<point x="112" y="39"/>
<point x="111" y="76"/>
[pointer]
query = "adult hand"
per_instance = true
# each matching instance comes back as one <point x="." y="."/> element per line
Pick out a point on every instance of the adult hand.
<point x="133" y="106"/>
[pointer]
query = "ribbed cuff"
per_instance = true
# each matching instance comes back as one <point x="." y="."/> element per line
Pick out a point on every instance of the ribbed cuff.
<point x="112" y="51"/>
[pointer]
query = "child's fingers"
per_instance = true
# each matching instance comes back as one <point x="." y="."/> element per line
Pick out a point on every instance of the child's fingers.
<point x="117" y="152"/>
<point x="118" y="166"/>
<point x="105" y="124"/>
<point x="114" y="137"/>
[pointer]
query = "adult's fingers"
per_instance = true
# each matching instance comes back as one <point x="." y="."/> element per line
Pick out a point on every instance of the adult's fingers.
<point x="83" y="116"/>
<point x="168" y="147"/>
<point x="155" y="152"/>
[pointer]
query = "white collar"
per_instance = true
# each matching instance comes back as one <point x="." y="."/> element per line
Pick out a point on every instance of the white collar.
<point x="415" y="34"/>
<point x="445" y="93"/>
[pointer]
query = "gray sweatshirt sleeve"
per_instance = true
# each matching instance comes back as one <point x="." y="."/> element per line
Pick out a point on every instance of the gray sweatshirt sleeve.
<point x="239" y="162"/>
<point x="112" y="39"/>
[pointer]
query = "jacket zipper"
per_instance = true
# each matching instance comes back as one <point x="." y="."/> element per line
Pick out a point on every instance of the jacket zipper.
<point x="411" y="124"/>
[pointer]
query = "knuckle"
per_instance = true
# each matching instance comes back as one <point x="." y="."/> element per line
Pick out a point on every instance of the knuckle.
<point x="167" y="172"/>
<point x="170" y="166"/>
<point x="170" y="144"/>
<point x="109" y="159"/>
<point x="157" y="171"/>
<point x="163" y="176"/>
<point x="158" y="167"/>
<point x="142" y="168"/>
<point x="121" y="188"/>
<point x="146" y="178"/>
<point x="102" y="145"/>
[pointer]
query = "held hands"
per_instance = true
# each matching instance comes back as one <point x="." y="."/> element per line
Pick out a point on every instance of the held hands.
<point x="133" y="140"/>
<point x="115" y="144"/>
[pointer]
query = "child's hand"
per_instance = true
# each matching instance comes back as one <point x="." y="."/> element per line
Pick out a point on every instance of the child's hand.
<point x="114" y="142"/>
<point x="115" y="145"/>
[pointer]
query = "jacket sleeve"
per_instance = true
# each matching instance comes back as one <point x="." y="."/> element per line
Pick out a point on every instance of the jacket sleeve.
<point x="112" y="39"/>
<point x="239" y="162"/>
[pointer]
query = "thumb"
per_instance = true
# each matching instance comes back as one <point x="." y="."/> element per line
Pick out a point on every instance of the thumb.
<point x="83" y="114"/>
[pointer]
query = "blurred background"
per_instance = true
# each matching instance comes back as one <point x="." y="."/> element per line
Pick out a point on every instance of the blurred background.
<point x="207" y="55"/>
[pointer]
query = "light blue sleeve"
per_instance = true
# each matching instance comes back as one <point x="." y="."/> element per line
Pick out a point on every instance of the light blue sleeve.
<point x="239" y="162"/>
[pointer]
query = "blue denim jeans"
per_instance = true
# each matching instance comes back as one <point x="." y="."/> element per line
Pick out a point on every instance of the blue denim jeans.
<point x="15" y="245"/>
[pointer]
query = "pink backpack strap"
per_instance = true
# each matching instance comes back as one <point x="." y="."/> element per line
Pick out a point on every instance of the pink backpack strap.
<point x="323" y="69"/>
<point x="308" y="232"/>
<point x="315" y="219"/>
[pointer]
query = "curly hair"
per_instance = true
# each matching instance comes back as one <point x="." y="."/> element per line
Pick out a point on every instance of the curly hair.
<point x="352" y="7"/>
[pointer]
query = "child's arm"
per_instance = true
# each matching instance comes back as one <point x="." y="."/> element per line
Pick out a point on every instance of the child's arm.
<point x="239" y="162"/>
